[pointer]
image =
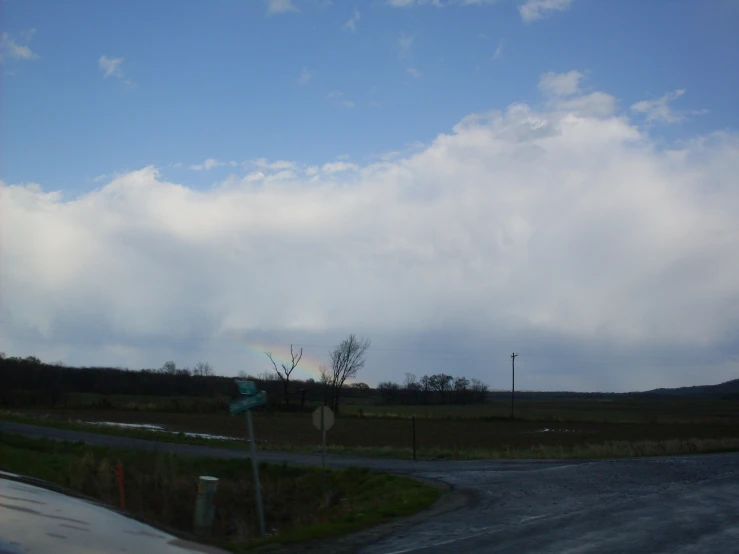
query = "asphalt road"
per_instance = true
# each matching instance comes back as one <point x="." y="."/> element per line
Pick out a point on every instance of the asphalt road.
<point x="679" y="504"/>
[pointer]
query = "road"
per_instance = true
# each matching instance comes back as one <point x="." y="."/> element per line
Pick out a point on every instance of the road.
<point x="678" y="504"/>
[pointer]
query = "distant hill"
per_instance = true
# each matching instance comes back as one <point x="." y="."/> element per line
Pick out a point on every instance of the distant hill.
<point x="729" y="389"/>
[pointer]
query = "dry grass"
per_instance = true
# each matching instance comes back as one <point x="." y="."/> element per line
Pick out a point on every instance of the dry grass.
<point x="711" y="425"/>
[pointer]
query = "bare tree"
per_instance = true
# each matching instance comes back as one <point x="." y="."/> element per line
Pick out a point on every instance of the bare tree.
<point x="346" y="361"/>
<point x="461" y="384"/>
<point x="426" y="387"/>
<point x="388" y="391"/>
<point x="203" y="369"/>
<point x="442" y="383"/>
<point x="266" y="376"/>
<point x="480" y="390"/>
<point x="287" y="369"/>
<point x="169" y="367"/>
<point x="411" y="387"/>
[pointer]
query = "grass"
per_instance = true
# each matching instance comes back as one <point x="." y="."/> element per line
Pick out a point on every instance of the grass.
<point x="143" y="434"/>
<point x="161" y="489"/>
<point x="510" y="439"/>
<point x="570" y="410"/>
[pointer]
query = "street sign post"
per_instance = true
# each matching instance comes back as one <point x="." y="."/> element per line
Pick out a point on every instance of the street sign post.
<point x="323" y="420"/>
<point x="251" y="399"/>
<point x="247" y="387"/>
<point x="247" y="403"/>
<point x="325" y="413"/>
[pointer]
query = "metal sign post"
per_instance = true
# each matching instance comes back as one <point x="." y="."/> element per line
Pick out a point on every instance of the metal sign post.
<point x="251" y="399"/>
<point x="323" y="420"/>
<point x="255" y="470"/>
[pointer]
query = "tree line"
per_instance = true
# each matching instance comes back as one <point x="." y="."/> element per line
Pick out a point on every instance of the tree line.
<point x="433" y="389"/>
<point x="29" y="381"/>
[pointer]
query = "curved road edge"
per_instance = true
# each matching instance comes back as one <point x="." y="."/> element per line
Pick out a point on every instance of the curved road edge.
<point x="278" y="457"/>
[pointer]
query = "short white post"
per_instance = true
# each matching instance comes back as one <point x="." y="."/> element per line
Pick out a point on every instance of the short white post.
<point x="204" y="510"/>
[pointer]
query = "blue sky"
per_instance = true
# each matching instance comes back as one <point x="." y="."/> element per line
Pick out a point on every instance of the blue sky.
<point x="455" y="179"/>
<point x="222" y="79"/>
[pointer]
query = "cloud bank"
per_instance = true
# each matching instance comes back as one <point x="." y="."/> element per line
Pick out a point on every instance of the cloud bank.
<point x="562" y="231"/>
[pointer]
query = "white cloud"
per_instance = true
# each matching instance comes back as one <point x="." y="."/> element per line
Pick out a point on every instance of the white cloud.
<point x="277" y="165"/>
<point x="11" y="50"/>
<point x="305" y="76"/>
<point x="281" y="6"/>
<point x="564" y="94"/>
<point x="339" y="167"/>
<point x="595" y="104"/>
<point x="339" y="96"/>
<point x="208" y="164"/>
<point x="560" y="84"/>
<point x="552" y="229"/>
<point x="351" y="24"/>
<point x="438" y="3"/>
<point x="111" y="66"/>
<point x="498" y="51"/>
<point x="413" y="72"/>
<point x="539" y="9"/>
<point x="404" y="45"/>
<point x="659" y="110"/>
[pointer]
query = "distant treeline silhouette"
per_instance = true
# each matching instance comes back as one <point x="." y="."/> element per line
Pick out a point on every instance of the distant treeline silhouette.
<point x="31" y="382"/>
<point x="433" y="389"/>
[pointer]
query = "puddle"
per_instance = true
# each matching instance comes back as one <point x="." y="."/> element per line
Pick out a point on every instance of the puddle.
<point x="160" y="429"/>
<point x="547" y="430"/>
<point x="205" y="436"/>
<point x="147" y="426"/>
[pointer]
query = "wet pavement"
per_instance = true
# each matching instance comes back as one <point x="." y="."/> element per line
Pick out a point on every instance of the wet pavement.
<point x="35" y="520"/>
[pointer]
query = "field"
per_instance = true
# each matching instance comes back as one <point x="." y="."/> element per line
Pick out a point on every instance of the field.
<point x="161" y="489"/>
<point x="553" y="428"/>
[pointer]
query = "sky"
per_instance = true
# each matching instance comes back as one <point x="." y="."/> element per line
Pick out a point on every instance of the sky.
<point x="455" y="180"/>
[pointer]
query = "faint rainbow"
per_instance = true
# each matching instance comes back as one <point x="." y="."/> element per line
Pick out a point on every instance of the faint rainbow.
<point x="309" y="366"/>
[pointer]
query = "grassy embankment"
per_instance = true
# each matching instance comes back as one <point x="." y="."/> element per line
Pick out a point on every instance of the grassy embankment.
<point x="161" y="489"/>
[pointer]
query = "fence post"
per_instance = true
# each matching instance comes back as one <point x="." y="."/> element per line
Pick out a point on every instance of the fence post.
<point x="204" y="510"/>
<point x="121" y="489"/>
<point x="413" y="418"/>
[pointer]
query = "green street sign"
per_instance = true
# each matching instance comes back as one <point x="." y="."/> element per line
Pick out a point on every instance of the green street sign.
<point x="247" y="387"/>
<point x="247" y="403"/>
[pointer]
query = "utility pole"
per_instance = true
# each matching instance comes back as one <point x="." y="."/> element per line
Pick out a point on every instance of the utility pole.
<point x="513" y="379"/>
